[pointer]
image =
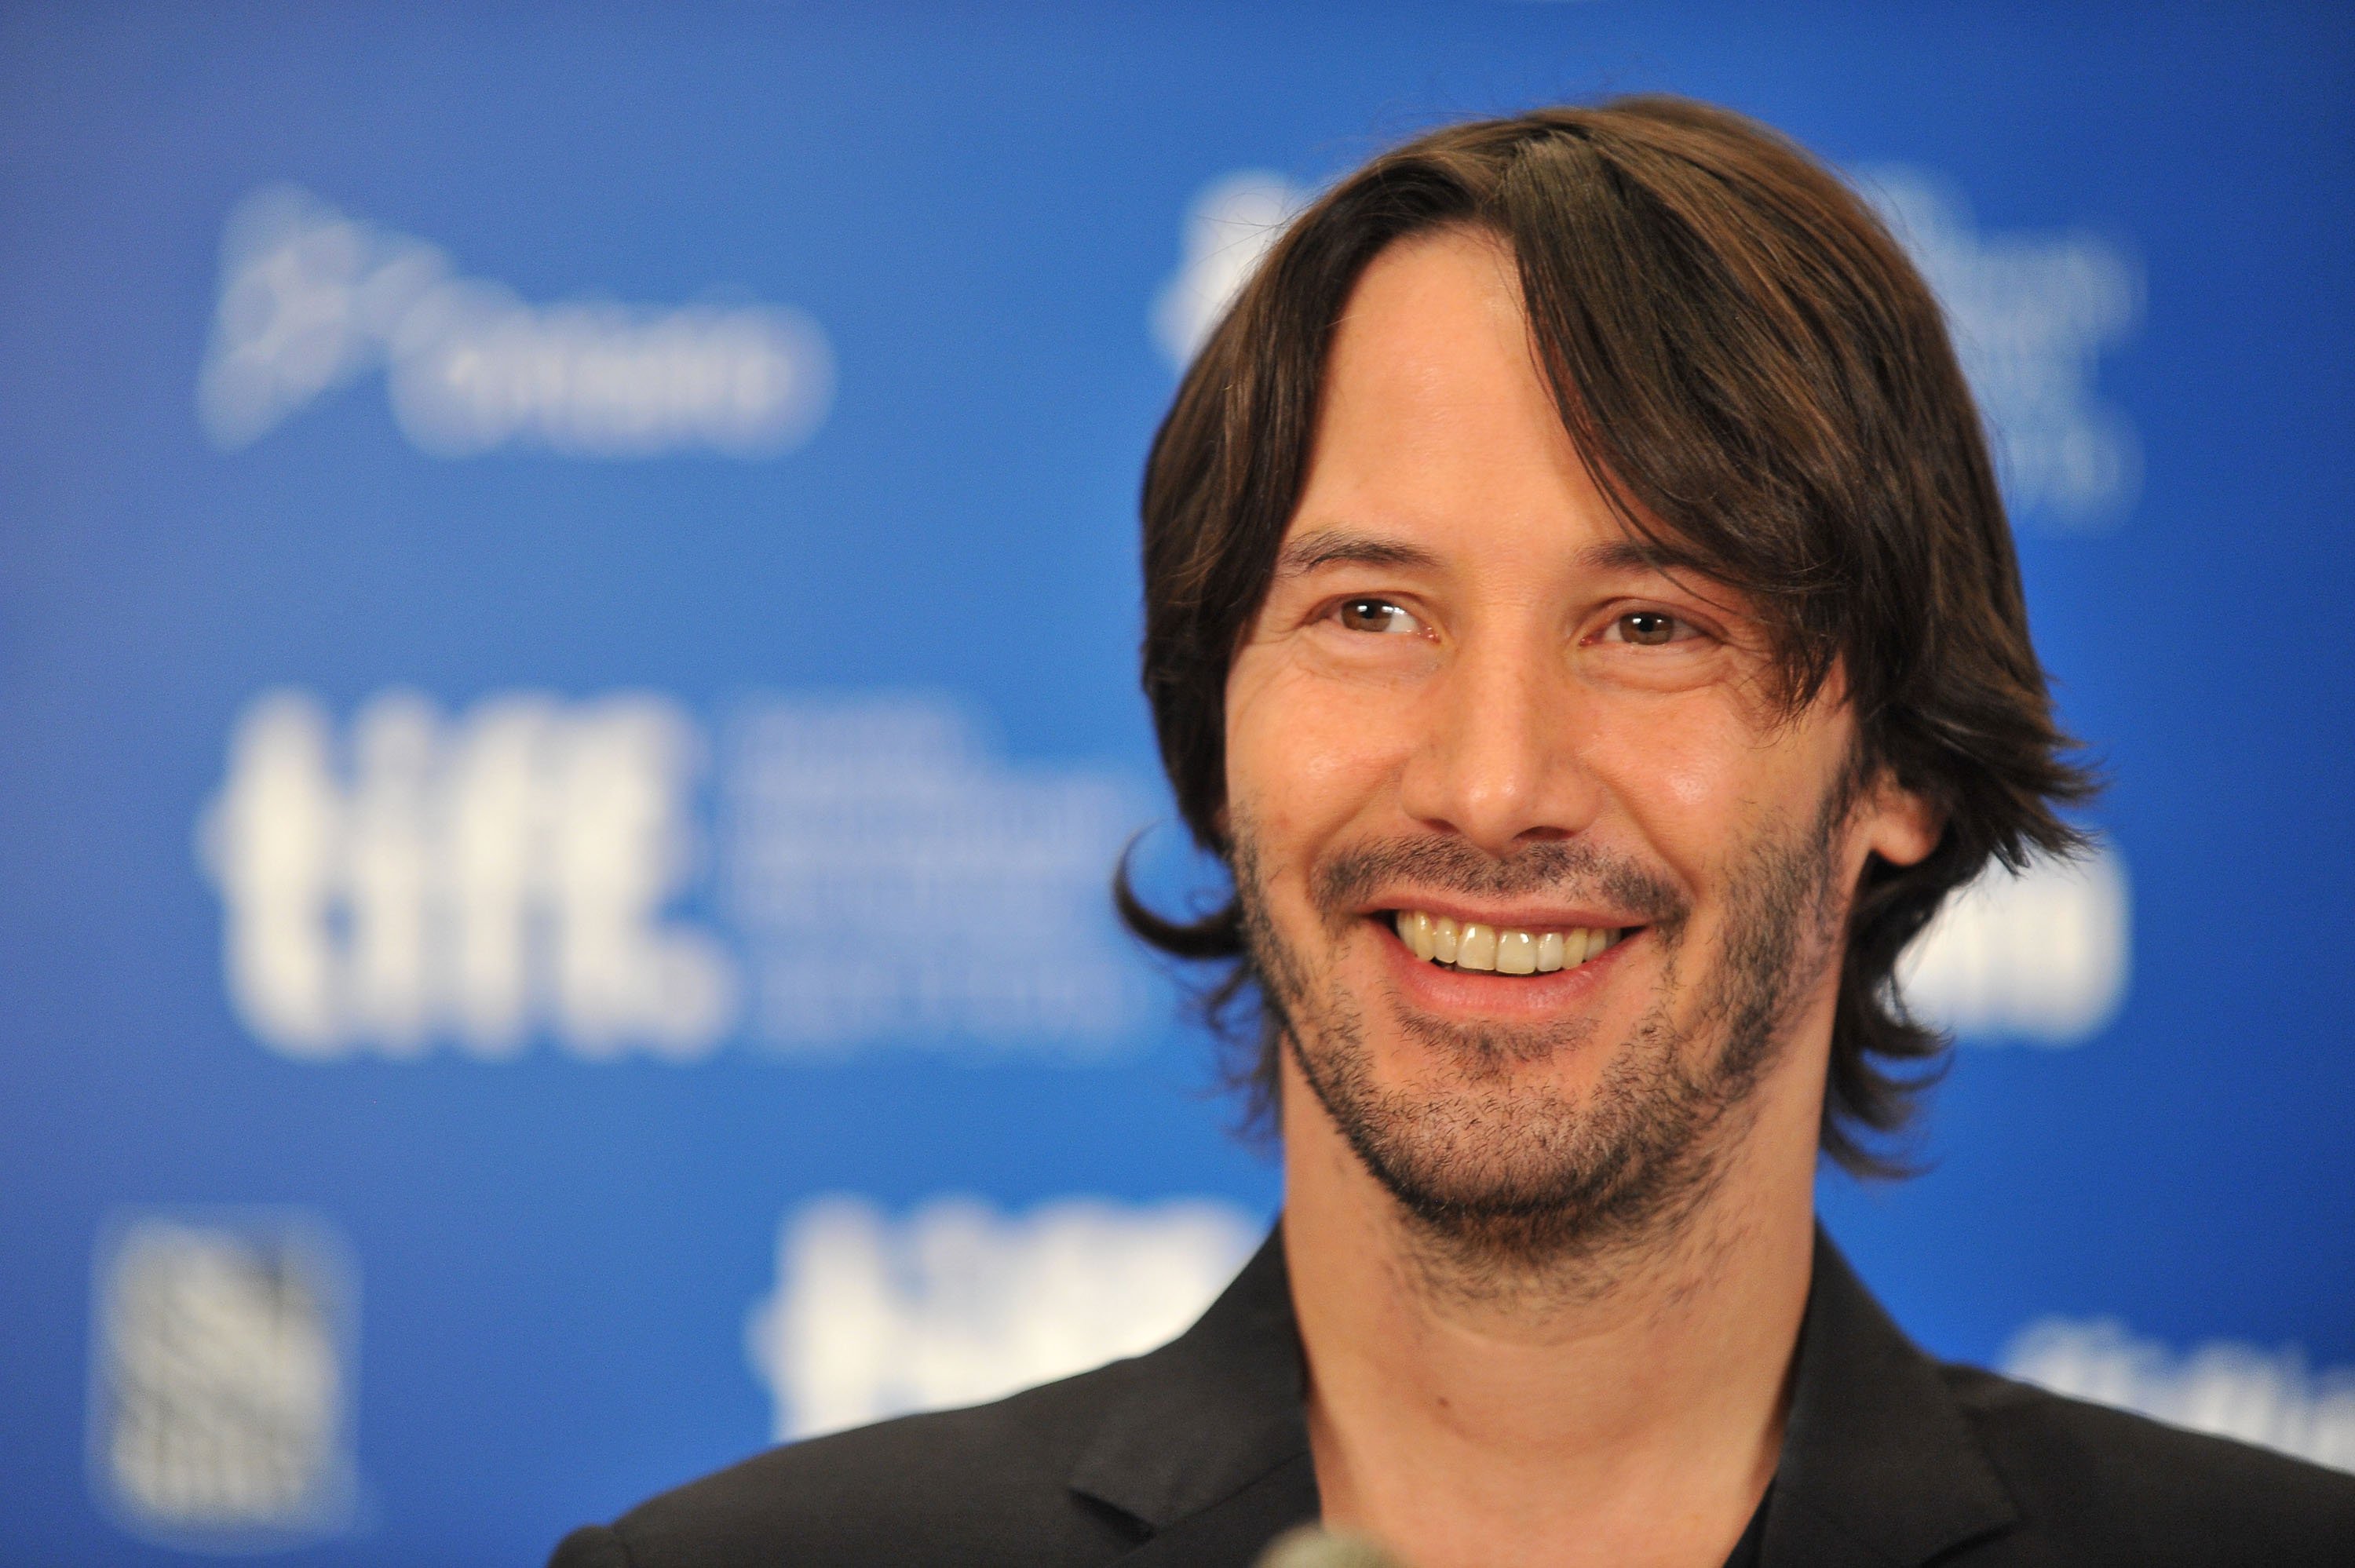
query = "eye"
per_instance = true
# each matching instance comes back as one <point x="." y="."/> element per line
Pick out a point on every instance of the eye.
<point x="1648" y="628"/>
<point x="1375" y="615"/>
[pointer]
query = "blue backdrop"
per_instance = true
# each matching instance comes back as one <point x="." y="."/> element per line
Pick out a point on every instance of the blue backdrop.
<point x="568" y="613"/>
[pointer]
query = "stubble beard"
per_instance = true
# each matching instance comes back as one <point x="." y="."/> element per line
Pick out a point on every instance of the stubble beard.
<point x="1505" y="1182"/>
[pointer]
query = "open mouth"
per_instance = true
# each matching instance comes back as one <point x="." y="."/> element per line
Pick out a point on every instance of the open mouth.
<point x="1503" y="949"/>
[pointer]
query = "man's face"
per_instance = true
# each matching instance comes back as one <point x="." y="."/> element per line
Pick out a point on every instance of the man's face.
<point x="1471" y="702"/>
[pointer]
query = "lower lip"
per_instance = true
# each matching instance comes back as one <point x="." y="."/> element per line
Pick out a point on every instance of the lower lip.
<point x="1442" y="989"/>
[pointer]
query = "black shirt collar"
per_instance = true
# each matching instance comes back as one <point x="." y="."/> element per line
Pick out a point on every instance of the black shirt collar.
<point x="1208" y="1449"/>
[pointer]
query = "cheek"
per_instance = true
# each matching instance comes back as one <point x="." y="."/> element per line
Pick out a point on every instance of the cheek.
<point x="1689" y="781"/>
<point x="1304" y="755"/>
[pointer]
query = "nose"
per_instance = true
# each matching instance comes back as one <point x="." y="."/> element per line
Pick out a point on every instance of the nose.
<point x="1497" y="761"/>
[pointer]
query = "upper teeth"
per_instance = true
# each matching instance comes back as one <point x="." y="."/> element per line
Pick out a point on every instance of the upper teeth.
<point x="1506" y="949"/>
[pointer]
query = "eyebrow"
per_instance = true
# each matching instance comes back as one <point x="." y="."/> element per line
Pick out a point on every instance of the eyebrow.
<point x="1348" y="547"/>
<point x="1345" y="547"/>
<point x="1626" y="555"/>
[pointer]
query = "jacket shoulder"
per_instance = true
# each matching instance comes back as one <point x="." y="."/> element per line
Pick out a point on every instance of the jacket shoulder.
<point x="983" y="1485"/>
<point x="2106" y="1486"/>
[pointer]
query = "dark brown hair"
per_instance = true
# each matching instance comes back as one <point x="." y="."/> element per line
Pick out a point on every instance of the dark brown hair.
<point x="1761" y="385"/>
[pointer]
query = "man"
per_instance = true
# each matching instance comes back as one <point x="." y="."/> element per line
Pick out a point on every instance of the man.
<point x="1581" y="615"/>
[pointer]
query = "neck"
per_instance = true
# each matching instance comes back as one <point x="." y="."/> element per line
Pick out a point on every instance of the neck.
<point x="1621" y="1407"/>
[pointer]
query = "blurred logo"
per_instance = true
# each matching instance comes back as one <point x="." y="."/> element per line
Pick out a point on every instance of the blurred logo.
<point x="475" y="880"/>
<point x="2235" y="1390"/>
<point x="311" y="300"/>
<point x="2041" y="956"/>
<point x="959" y="1303"/>
<point x="513" y="872"/>
<point x="2032" y="315"/>
<point x="218" y="1417"/>
<point x="891" y="878"/>
<point x="1229" y="228"/>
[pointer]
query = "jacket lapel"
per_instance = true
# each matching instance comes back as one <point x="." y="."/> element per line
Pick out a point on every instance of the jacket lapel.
<point x="1235" y="1531"/>
<point x="1207" y="1447"/>
<point x="1878" y="1467"/>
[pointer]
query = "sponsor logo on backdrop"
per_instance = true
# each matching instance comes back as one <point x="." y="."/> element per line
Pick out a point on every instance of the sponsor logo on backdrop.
<point x="2268" y="1398"/>
<point x="518" y="870"/>
<point x="312" y="299"/>
<point x="958" y="1303"/>
<point x="2039" y="958"/>
<point x="2032" y="313"/>
<point x="1230" y="227"/>
<point x="477" y="880"/>
<point x="526" y="870"/>
<point x="220" y="1377"/>
<point x="892" y="877"/>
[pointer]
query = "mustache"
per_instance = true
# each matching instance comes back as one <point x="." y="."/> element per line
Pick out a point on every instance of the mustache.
<point x="1574" y="867"/>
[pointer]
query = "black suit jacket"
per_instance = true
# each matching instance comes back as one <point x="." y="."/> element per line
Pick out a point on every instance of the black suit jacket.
<point x="1196" y="1454"/>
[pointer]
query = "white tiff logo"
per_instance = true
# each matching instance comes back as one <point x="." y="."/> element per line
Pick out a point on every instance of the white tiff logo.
<point x="2232" y="1390"/>
<point x="477" y="880"/>
<point x="959" y="1303"/>
<point x="2042" y="957"/>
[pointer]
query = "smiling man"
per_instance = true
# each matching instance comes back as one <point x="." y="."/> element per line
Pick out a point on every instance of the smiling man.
<point x="1545" y="864"/>
<point x="1581" y="615"/>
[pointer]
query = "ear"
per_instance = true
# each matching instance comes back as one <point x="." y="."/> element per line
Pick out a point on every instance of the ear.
<point x="1898" y="825"/>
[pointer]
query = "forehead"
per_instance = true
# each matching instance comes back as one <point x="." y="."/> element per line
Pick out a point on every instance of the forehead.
<point x="1434" y="426"/>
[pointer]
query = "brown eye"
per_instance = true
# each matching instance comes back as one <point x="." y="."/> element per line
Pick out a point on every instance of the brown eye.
<point x="1648" y="628"/>
<point x="1376" y="615"/>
